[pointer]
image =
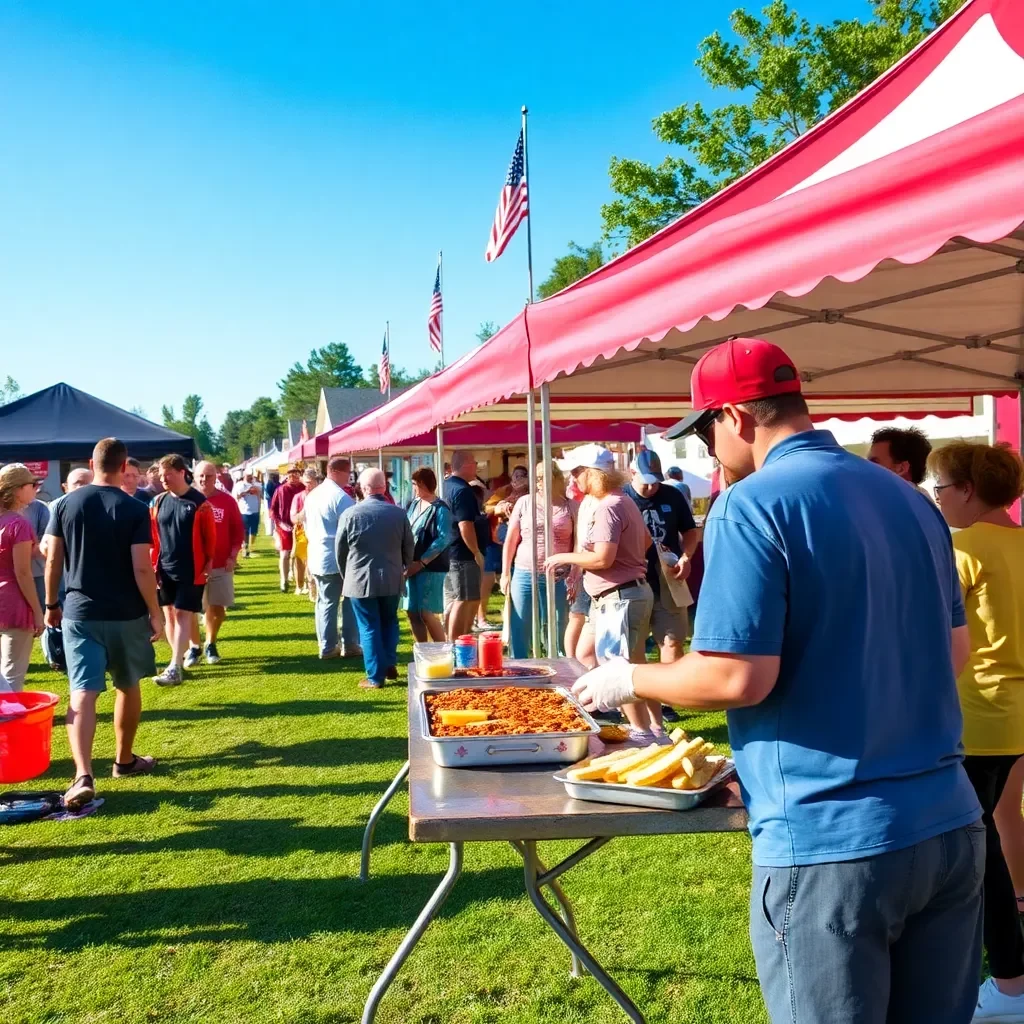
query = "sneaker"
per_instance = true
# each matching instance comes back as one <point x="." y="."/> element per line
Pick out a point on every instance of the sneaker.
<point x="368" y="684"/>
<point x="334" y="652"/>
<point x="212" y="657"/>
<point x="355" y="651"/>
<point x="669" y="714"/>
<point x="391" y="672"/>
<point x="996" y="1008"/>
<point x="643" y="737"/>
<point x="171" y="676"/>
<point x="193" y="656"/>
<point x="82" y="790"/>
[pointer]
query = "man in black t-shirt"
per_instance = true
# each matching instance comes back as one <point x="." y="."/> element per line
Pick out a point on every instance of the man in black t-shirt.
<point x="185" y="541"/>
<point x="672" y="527"/>
<point x="100" y="538"/>
<point x="465" y="559"/>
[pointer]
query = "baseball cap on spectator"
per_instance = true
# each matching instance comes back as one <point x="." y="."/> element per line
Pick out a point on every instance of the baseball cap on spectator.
<point x="647" y="466"/>
<point x="17" y="474"/>
<point x="587" y="456"/>
<point x="737" y="371"/>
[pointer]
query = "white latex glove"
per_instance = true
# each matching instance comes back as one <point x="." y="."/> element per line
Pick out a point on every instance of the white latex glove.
<point x="607" y="686"/>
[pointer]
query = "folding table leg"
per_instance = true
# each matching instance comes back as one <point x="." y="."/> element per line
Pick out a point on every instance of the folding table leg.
<point x="415" y="933"/>
<point x="531" y="869"/>
<point x="371" y="824"/>
<point x="565" y="909"/>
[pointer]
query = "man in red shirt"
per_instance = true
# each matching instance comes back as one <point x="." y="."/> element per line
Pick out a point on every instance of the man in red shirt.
<point x="220" y="583"/>
<point x="281" y="517"/>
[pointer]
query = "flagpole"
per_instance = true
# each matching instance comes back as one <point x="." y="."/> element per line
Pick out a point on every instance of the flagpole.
<point x="531" y="427"/>
<point x="387" y="345"/>
<point x="529" y="233"/>
<point x="440" y="430"/>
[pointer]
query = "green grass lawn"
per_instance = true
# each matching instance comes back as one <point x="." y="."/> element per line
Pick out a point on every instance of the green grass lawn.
<point x="223" y="888"/>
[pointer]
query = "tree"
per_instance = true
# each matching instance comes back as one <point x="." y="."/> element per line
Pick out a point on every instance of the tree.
<point x="137" y="410"/>
<point x="786" y="75"/>
<point x="488" y="329"/>
<point x="244" y="430"/>
<point x="330" y="367"/>
<point x="576" y="263"/>
<point x="9" y="391"/>
<point x="192" y="425"/>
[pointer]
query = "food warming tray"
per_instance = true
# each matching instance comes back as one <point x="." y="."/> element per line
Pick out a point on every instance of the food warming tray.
<point x="645" y="796"/>
<point x="547" y="673"/>
<point x="524" y="748"/>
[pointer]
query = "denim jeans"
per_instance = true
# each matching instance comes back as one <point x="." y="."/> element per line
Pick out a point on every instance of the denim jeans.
<point x="378" y="633"/>
<point x="328" y="601"/>
<point x="519" y="613"/>
<point x="894" y="938"/>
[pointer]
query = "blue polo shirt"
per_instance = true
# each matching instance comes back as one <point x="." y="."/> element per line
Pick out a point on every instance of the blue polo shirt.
<point x="847" y="574"/>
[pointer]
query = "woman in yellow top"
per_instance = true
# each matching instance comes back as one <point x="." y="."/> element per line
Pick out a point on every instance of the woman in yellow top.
<point x="975" y="484"/>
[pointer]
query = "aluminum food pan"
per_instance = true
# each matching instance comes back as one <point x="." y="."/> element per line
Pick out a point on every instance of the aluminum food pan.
<point x="525" y="748"/>
<point x="645" y="796"/>
<point x="547" y="672"/>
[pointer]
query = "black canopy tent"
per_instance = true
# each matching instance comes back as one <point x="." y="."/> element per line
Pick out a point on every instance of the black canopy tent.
<point x="61" y="423"/>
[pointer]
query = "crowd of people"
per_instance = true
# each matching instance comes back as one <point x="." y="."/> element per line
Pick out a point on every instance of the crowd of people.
<point x="106" y="569"/>
<point x="863" y="632"/>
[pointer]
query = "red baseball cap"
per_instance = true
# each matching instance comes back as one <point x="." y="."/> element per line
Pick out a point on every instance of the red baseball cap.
<point x="737" y="371"/>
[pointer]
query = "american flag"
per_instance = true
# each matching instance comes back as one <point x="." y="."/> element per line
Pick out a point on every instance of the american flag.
<point x="434" y="316"/>
<point x="384" y="373"/>
<point x="512" y="205"/>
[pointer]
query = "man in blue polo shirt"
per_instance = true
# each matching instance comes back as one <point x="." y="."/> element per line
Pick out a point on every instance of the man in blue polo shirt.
<point x="831" y="627"/>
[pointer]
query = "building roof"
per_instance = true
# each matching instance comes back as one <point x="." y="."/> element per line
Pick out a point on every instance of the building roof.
<point x="339" y="405"/>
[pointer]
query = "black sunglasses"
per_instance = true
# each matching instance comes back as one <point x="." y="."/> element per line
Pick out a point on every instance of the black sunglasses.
<point x="703" y="426"/>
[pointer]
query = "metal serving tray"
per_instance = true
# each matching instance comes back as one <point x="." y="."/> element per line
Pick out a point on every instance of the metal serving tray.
<point x="547" y="672"/>
<point x="645" y="796"/>
<point x="525" y="748"/>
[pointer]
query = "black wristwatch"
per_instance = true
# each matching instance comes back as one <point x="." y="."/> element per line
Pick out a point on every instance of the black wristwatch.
<point x="52" y="607"/>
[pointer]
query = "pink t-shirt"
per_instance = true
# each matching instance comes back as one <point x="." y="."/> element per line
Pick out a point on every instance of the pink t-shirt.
<point x="617" y="520"/>
<point x="562" y="519"/>
<point x="15" y="611"/>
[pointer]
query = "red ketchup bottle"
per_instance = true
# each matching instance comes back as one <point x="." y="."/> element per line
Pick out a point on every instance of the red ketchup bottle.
<point x="490" y="656"/>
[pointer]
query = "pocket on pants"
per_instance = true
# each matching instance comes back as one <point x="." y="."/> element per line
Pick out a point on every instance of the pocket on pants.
<point x="777" y="893"/>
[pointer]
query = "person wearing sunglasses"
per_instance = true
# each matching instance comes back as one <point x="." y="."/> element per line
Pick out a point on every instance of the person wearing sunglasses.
<point x="831" y="627"/>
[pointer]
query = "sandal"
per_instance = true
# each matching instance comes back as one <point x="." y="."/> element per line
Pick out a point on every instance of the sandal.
<point x="137" y="766"/>
<point x="82" y="790"/>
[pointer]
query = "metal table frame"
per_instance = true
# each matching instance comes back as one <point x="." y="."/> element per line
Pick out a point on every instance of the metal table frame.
<point x="536" y="875"/>
<point x="562" y="923"/>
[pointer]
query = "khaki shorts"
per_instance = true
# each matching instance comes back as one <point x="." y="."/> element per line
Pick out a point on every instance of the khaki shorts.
<point x="669" y="622"/>
<point x="640" y="599"/>
<point x="220" y="589"/>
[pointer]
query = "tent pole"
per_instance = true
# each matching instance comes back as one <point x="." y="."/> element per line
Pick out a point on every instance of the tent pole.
<point x="549" y="578"/>
<point x="531" y="458"/>
<point x="440" y="458"/>
<point x="380" y="458"/>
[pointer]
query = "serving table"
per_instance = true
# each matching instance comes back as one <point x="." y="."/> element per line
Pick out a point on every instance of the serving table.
<point x="521" y="805"/>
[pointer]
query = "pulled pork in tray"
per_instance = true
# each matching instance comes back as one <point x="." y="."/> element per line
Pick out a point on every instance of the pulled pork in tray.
<point x="506" y="711"/>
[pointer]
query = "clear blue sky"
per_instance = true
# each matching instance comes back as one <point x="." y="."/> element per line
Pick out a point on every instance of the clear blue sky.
<point x="196" y="194"/>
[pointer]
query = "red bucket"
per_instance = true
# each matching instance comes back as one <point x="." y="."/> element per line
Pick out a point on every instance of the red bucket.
<point x="25" y="735"/>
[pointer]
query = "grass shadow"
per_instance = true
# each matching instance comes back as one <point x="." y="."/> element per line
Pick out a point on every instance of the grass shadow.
<point x="252" y="710"/>
<point x="262" y="910"/>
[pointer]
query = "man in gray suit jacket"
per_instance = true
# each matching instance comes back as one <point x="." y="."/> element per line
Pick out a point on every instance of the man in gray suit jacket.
<point x="374" y="544"/>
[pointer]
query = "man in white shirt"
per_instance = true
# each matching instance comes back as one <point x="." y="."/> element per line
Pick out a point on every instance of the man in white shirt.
<point x="248" y="493"/>
<point x="321" y="511"/>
